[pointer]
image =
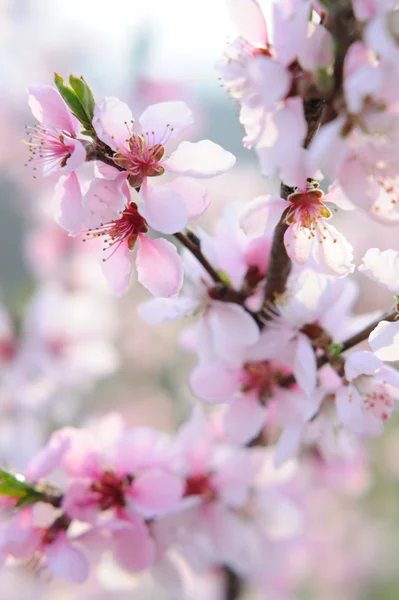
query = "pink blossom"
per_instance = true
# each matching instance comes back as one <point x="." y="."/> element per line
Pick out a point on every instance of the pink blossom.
<point x="369" y="399"/>
<point x="139" y="149"/>
<point x="52" y="143"/>
<point x="108" y="212"/>
<point x="308" y="234"/>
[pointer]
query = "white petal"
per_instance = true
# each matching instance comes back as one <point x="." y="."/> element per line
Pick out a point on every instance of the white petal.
<point x="361" y="363"/>
<point x="333" y="252"/>
<point x="244" y="419"/>
<point x="112" y="122"/>
<point x="305" y="364"/>
<point x="200" y="159"/>
<point x="298" y="243"/>
<point x="384" y="340"/>
<point x="382" y="267"/>
<point x="215" y="382"/>
<point x="165" y="120"/>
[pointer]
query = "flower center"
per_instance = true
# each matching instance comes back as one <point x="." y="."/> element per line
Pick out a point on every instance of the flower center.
<point x="260" y="377"/>
<point x="48" y="148"/>
<point x="307" y="209"/>
<point x="200" y="485"/>
<point x="141" y="157"/>
<point x="126" y="228"/>
<point x="110" y="490"/>
<point x="378" y="397"/>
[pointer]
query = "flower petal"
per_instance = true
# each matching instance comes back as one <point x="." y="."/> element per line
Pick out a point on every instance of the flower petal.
<point x="361" y="363"/>
<point x="262" y="214"/>
<point x="288" y="443"/>
<point x="104" y="200"/>
<point x="132" y="544"/>
<point x="117" y="268"/>
<point x="231" y="326"/>
<point x="112" y="120"/>
<point x="200" y="159"/>
<point x="164" y="209"/>
<point x="248" y="18"/>
<point x="194" y="195"/>
<point x="384" y="340"/>
<point x="165" y="120"/>
<point x="382" y="267"/>
<point x="305" y="364"/>
<point x="67" y="204"/>
<point x="298" y="243"/>
<point x="159" y="266"/>
<point x="215" y="382"/>
<point x="160" y="310"/>
<point x="49" y="108"/>
<point x="156" y="491"/>
<point x="66" y="560"/>
<point x="333" y="252"/>
<point x="244" y="419"/>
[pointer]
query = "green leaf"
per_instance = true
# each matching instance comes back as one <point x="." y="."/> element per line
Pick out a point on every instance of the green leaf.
<point x="335" y="349"/>
<point x="74" y="102"/>
<point x="12" y="484"/>
<point x="84" y="95"/>
<point x="224" y="276"/>
<point x="29" y="499"/>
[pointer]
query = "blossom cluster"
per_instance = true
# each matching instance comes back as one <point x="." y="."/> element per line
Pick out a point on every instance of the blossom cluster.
<point x="318" y="90"/>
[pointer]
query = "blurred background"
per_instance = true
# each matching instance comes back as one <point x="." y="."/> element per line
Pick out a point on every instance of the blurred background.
<point x="70" y="353"/>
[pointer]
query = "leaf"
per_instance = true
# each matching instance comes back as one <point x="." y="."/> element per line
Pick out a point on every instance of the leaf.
<point x="75" y="103"/>
<point x="14" y="485"/>
<point x="335" y="349"/>
<point x="29" y="499"/>
<point x="84" y="95"/>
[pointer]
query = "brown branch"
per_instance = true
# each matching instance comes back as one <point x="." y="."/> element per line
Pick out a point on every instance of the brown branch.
<point x="192" y="243"/>
<point x="233" y="584"/>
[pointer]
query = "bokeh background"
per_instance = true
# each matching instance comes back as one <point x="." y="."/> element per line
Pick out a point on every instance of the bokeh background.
<point x="70" y="353"/>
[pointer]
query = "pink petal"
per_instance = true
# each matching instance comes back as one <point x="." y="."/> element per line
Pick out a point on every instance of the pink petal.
<point x="361" y="363"/>
<point x="305" y="364"/>
<point x="78" y="502"/>
<point x="77" y="152"/>
<point x="200" y="159"/>
<point x="66" y="561"/>
<point x="231" y="324"/>
<point x="384" y="340"/>
<point x="235" y="476"/>
<point x="244" y="419"/>
<point x="49" y="108"/>
<point x="117" y="268"/>
<point x="298" y="243"/>
<point x="156" y="491"/>
<point x="215" y="382"/>
<point x="194" y="195"/>
<point x="49" y="457"/>
<point x="318" y="49"/>
<point x="164" y="209"/>
<point x="165" y="120"/>
<point x="104" y="200"/>
<point x="248" y="18"/>
<point x="263" y="213"/>
<point x="289" y="32"/>
<point x="288" y="443"/>
<point x="159" y="266"/>
<point x="67" y="205"/>
<point x="112" y="122"/>
<point x="133" y="547"/>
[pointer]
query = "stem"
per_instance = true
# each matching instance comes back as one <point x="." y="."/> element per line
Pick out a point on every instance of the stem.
<point x="193" y="244"/>
<point x="233" y="584"/>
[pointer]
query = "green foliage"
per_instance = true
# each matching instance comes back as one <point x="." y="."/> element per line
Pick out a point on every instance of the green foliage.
<point x="14" y="485"/>
<point x="335" y="349"/>
<point x="79" y="98"/>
